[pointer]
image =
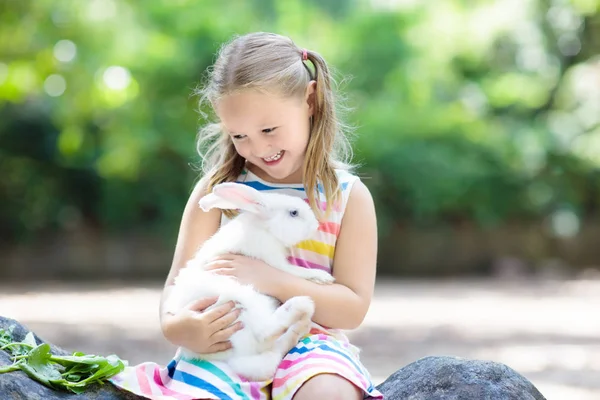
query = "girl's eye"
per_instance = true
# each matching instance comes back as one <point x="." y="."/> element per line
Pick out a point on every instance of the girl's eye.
<point x="268" y="130"/>
<point x="238" y="137"/>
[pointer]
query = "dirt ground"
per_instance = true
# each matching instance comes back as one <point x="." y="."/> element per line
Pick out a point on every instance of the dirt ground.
<point x="549" y="331"/>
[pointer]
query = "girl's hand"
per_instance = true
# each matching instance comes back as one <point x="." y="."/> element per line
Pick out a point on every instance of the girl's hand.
<point x="247" y="270"/>
<point x="203" y="331"/>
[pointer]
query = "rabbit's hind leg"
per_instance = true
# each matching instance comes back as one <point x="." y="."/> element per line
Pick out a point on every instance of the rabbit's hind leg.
<point x="296" y="309"/>
<point x="292" y="336"/>
<point x="262" y="366"/>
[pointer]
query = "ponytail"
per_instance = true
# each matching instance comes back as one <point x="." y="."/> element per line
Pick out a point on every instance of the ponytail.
<point x="318" y="170"/>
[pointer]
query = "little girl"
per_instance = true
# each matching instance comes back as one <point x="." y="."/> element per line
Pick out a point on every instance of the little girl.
<point x="277" y="131"/>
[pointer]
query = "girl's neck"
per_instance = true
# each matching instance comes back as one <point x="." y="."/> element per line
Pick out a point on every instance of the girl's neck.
<point x="295" y="178"/>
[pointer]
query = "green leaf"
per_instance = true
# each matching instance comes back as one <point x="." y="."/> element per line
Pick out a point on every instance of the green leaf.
<point x="78" y="359"/>
<point x="39" y="360"/>
<point x="30" y="339"/>
<point x="72" y="373"/>
<point x="6" y="336"/>
<point x="35" y="375"/>
<point x="72" y="377"/>
<point x="76" y="389"/>
<point x="16" y="348"/>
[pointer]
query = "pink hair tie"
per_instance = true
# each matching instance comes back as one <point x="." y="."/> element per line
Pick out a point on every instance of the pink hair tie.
<point x="304" y="55"/>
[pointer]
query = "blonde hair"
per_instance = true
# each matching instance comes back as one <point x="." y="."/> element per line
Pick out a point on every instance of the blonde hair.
<point x="273" y="63"/>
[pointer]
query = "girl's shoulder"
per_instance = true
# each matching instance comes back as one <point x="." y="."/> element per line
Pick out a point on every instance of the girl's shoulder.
<point x="346" y="177"/>
<point x="346" y="181"/>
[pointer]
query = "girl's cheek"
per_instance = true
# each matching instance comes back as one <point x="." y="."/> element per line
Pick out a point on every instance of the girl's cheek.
<point x="240" y="148"/>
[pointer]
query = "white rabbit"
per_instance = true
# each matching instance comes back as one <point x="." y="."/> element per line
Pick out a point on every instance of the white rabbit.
<point x="267" y="226"/>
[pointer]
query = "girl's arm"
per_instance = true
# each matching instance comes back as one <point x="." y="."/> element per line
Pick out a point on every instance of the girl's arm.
<point x="195" y="228"/>
<point x="344" y="304"/>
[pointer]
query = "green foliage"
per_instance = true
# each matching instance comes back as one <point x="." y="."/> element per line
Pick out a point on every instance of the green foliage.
<point x="479" y="111"/>
<point x="70" y="373"/>
<point x="425" y="179"/>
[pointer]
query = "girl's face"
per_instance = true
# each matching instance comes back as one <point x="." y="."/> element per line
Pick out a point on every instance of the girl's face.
<point x="269" y="131"/>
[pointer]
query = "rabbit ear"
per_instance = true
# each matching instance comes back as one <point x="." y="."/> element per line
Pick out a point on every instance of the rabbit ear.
<point x="211" y="201"/>
<point x="234" y="196"/>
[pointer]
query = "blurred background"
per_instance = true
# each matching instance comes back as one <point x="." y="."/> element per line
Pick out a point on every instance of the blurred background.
<point x="478" y="133"/>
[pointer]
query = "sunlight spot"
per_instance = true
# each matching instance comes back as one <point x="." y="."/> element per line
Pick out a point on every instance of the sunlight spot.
<point x="100" y="10"/>
<point x="565" y="223"/>
<point x="65" y="51"/>
<point x="55" y="85"/>
<point x="562" y="18"/>
<point x="116" y="77"/>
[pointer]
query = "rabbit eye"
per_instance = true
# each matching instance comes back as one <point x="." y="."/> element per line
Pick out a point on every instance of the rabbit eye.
<point x="294" y="213"/>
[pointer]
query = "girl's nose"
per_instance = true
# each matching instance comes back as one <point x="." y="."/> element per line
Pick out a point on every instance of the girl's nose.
<point x="265" y="154"/>
<point x="262" y="150"/>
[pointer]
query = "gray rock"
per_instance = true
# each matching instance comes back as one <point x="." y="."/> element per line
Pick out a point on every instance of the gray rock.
<point x="452" y="378"/>
<point x="18" y="386"/>
<point x="430" y="378"/>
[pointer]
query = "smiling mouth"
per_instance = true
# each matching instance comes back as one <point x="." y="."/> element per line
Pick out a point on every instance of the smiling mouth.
<point x="274" y="157"/>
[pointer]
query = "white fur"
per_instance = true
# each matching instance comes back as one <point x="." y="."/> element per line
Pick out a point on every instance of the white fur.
<point x="265" y="229"/>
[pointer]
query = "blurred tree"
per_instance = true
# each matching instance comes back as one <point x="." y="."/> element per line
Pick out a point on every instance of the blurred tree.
<point x="485" y="111"/>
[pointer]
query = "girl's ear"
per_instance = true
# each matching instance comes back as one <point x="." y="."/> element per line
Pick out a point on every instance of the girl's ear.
<point x="310" y="97"/>
<point x="234" y="196"/>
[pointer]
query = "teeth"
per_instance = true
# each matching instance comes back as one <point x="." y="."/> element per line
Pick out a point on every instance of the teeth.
<point x="274" y="157"/>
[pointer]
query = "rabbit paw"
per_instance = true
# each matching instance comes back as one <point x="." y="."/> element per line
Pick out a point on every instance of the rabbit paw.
<point x="321" y="277"/>
<point x="301" y="328"/>
<point x="300" y="307"/>
<point x="287" y="340"/>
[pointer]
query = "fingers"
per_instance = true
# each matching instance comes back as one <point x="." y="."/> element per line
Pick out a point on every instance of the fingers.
<point x="221" y="270"/>
<point x="225" y="321"/>
<point x="217" y="347"/>
<point x="225" y="334"/>
<point x="219" y="311"/>
<point x="224" y="257"/>
<point x="218" y="264"/>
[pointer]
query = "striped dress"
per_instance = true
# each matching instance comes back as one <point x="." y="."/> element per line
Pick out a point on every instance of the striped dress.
<point x="321" y="351"/>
